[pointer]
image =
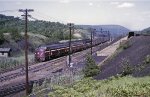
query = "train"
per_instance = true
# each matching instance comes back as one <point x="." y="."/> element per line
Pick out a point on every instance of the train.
<point x="131" y="34"/>
<point x="48" y="52"/>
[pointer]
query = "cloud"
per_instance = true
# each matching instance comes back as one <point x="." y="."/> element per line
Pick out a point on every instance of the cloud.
<point x="64" y="1"/>
<point x="18" y="3"/>
<point x="114" y="3"/>
<point x="126" y="5"/>
<point x="127" y="14"/>
<point x="146" y="13"/>
<point x="91" y="4"/>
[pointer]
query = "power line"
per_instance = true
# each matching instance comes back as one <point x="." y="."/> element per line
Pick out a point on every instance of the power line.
<point x="33" y="18"/>
<point x="50" y="18"/>
<point x="9" y="10"/>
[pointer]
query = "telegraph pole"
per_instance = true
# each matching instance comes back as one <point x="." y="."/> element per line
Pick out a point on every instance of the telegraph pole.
<point x="25" y="11"/>
<point x="109" y="35"/>
<point x="91" y="40"/>
<point x="102" y="34"/>
<point x="94" y="33"/>
<point x="70" y="28"/>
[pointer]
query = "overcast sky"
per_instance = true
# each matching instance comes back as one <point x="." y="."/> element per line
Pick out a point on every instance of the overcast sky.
<point x="133" y="14"/>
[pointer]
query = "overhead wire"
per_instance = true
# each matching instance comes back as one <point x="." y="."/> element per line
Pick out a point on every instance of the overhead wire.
<point x="33" y="18"/>
<point x="8" y="10"/>
<point x="48" y="17"/>
<point x="39" y="14"/>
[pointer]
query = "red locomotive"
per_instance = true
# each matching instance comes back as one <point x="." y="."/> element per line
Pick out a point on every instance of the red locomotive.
<point x="47" y="52"/>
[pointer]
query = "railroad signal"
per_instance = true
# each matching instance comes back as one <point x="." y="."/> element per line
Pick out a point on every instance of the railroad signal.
<point x="25" y="11"/>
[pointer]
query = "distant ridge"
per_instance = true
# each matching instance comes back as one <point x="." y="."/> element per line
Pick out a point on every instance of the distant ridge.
<point x="146" y="30"/>
<point x="115" y="30"/>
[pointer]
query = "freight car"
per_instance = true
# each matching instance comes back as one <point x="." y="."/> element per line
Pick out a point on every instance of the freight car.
<point x="47" y="52"/>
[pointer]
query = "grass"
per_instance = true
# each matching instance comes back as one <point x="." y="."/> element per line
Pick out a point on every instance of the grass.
<point x="125" y="44"/>
<point x="63" y="79"/>
<point x="112" y="87"/>
<point x="13" y="62"/>
<point x="77" y="86"/>
<point x="122" y="46"/>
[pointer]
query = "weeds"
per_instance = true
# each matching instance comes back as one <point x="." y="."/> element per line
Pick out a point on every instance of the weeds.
<point x="91" y="68"/>
<point x="13" y="62"/>
<point x="120" y="87"/>
<point x="145" y="62"/>
<point x="127" y="69"/>
<point x="65" y="79"/>
<point x="124" y="45"/>
<point x="147" y="59"/>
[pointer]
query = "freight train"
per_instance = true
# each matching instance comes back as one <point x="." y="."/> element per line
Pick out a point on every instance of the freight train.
<point x="47" y="52"/>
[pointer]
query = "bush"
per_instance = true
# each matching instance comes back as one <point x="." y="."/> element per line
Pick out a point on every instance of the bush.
<point x="1" y="38"/>
<point x="147" y="59"/>
<point x="127" y="69"/>
<point x="15" y="34"/>
<point x="125" y="44"/>
<point x="91" y="68"/>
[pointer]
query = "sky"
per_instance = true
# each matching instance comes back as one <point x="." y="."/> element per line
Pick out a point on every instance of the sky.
<point x="133" y="14"/>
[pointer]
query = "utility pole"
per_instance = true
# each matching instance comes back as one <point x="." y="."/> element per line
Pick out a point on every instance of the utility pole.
<point x="25" y="11"/>
<point x="94" y="33"/>
<point x="71" y="25"/>
<point x="101" y="30"/>
<point x="91" y="40"/>
<point x="102" y="34"/>
<point x="109" y="35"/>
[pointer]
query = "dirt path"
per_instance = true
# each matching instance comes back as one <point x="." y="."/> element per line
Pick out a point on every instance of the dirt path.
<point x="111" y="48"/>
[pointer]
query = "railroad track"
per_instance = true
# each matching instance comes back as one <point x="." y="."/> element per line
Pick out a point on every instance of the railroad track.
<point x="45" y="65"/>
<point x="51" y="66"/>
<point x="21" y="72"/>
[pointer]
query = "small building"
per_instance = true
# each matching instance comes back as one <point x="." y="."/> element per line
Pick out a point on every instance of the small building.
<point x="5" y="52"/>
<point x="130" y="34"/>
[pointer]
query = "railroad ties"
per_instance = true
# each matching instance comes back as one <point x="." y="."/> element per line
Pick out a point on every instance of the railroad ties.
<point x="14" y="89"/>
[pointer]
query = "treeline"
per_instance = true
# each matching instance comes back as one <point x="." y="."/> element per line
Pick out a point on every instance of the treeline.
<point x="53" y="30"/>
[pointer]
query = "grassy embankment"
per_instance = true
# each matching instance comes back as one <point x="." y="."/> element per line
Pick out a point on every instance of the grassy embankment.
<point x="17" y="54"/>
<point x="116" y="86"/>
<point x="113" y="87"/>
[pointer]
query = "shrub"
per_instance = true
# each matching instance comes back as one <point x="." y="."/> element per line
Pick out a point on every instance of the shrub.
<point x="125" y="44"/>
<point x="15" y="34"/>
<point x="147" y="59"/>
<point x="127" y="69"/>
<point x="91" y="68"/>
<point x="1" y="38"/>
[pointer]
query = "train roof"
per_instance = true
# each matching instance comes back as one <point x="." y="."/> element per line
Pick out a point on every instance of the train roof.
<point x="61" y="45"/>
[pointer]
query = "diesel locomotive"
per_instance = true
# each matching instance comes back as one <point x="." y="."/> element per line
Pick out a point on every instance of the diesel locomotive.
<point x="47" y="52"/>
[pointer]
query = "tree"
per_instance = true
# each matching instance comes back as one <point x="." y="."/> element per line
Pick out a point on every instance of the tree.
<point x="1" y="37"/>
<point x="15" y="34"/>
<point x="91" y="68"/>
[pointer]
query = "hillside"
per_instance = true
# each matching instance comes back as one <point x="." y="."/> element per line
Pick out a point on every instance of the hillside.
<point x="135" y="54"/>
<point x="49" y="29"/>
<point x="18" y="46"/>
<point x="40" y="32"/>
<point x="53" y="30"/>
